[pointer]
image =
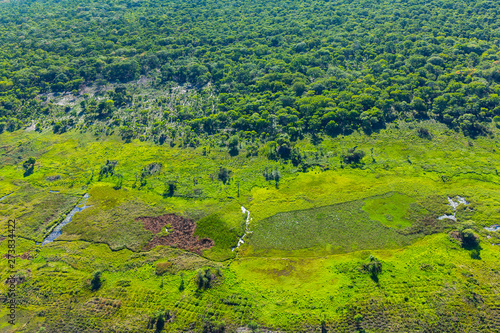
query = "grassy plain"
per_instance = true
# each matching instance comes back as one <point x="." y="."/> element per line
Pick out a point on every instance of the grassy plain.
<point x="288" y="276"/>
<point x="326" y="230"/>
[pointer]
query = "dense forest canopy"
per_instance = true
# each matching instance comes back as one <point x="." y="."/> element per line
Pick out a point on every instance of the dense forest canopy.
<point x="258" y="67"/>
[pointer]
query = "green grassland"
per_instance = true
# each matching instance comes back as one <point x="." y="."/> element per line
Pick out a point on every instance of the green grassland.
<point x="330" y="229"/>
<point x="287" y="277"/>
<point x="390" y="210"/>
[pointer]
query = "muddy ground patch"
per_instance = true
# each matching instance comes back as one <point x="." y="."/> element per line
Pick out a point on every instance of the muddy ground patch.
<point x="180" y="233"/>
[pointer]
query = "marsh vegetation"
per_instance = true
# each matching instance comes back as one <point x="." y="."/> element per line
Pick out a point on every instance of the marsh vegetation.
<point x="362" y="136"/>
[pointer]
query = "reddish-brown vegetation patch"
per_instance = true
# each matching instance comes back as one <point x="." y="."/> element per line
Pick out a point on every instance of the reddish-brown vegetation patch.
<point x="180" y="233"/>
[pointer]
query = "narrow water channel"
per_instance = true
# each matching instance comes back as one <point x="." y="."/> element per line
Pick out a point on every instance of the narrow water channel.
<point x="247" y="231"/>
<point x="5" y="196"/>
<point x="57" y="230"/>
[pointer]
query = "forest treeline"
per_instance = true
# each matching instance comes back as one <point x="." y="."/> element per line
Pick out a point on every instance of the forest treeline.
<point x="275" y="67"/>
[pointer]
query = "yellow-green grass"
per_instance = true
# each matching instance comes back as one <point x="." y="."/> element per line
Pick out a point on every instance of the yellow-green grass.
<point x="431" y="284"/>
<point x="338" y="228"/>
<point x="391" y="210"/>
<point x="418" y="283"/>
<point x="36" y="210"/>
<point x="224" y="237"/>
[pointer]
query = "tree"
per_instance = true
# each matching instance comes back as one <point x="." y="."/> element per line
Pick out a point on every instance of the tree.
<point x="223" y="175"/>
<point x="295" y="157"/>
<point x="424" y="133"/>
<point x="299" y="88"/>
<point x="374" y="267"/>
<point x="59" y="127"/>
<point x="276" y="176"/>
<point x="96" y="281"/>
<point x="105" y="108"/>
<point x="464" y="234"/>
<point x="29" y="163"/>
<point x="353" y="157"/>
<point x="170" y="188"/>
<point x="475" y="254"/>
<point x="127" y="133"/>
<point x="123" y="71"/>
<point x="233" y="145"/>
<point x="29" y="166"/>
<point x="119" y="182"/>
<point x="160" y="321"/>
<point x="108" y="169"/>
<point x="204" y="278"/>
<point x="213" y="326"/>
<point x="404" y="75"/>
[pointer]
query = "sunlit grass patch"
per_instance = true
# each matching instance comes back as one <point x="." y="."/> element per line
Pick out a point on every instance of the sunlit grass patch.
<point x="225" y="238"/>
<point x="391" y="210"/>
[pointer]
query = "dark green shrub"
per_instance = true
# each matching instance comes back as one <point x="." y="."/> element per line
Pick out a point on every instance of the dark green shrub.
<point x="353" y="157"/>
<point x="223" y="175"/>
<point x="29" y="166"/>
<point x="204" y="278"/>
<point x="96" y="281"/>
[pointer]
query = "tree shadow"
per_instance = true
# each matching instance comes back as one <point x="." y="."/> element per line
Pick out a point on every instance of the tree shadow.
<point x="234" y="151"/>
<point x="472" y="245"/>
<point x="29" y="171"/>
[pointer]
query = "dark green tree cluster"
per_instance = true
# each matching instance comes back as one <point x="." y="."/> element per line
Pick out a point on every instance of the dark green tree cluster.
<point x="464" y="234"/>
<point x="108" y="169"/>
<point x="224" y="175"/>
<point x="170" y="187"/>
<point x="211" y="325"/>
<point x="277" y="67"/>
<point x="353" y="156"/>
<point x="205" y="278"/>
<point x="29" y="166"/>
<point x="272" y="174"/>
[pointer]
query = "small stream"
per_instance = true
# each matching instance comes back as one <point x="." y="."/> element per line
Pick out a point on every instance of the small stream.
<point x="454" y="204"/>
<point x="5" y="196"/>
<point x="495" y="227"/>
<point x="247" y="231"/>
<point x="57" y="230"/>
